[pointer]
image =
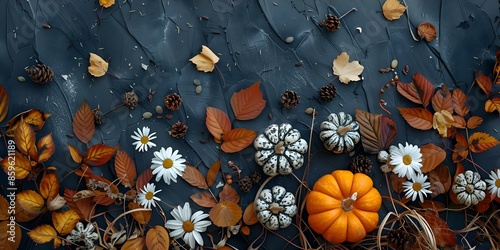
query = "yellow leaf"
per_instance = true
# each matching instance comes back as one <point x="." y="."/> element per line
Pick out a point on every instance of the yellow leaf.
<point x="33" y="117"/>
<point x="142" y="217"/>
<point x="46" y="148"/>
<point x="4" y="208"/>
<point x="206" y="60"/>
<point x="75" y="154"/>
<point x="98" y="67"/>
<point x="441" y="121"/>
<point x="480" y="142"/>
<point x="43" y="234"/>
<point x="49" y="186"/>
<point x="17" y="164"/>
<point x="30" y="201"/>
<point x="65" y="222"/>
<point x="106" y="3"/>
<point x="134" y="244"/>
<point x="157" y="238"/>
<point x="11" y="235"/>
<point x="393" y="9"/>
<point x="347" y="71"/>
<point x="492" y="105"/>
<point x="25" y="139"/>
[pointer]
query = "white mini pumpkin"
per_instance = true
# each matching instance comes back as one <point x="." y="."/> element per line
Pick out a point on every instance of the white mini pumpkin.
<point x="280" y="149"/>
<point x="339" y="133"/>
<point x="469" y="188"/>
<point x="275" y="208"/>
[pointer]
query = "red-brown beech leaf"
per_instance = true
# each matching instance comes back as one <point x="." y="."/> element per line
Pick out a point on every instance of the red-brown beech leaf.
<point x="461" y="148"/>
<point x="83" y="207"/>
<point x="98" y="154"/>
<point x="484" y="205"/>
<point x="397" y="182"/>
<point x="409" y="90"/>
<point x="443" y="234"/>
<point x="125" y="169"/>
<point x="217" y="123"/>
<point x="432" y="156"/>
<point x="212" y="173"/>
<point x="194" y="177"/>
<point x="377" y="131"/>
<point x="83" y="123"/>
<point x="250" y="215"/>
<point x="143" y="178"/>
<point x="459" y="122"/>
<point x="480" y="142"/>
<point x="225" y="214"/>
<point x="459" y="100"/>
<point x="204" y="199"/>
<point x="237" y="139"/>
<point x="248" y="103"/>
<point x="442" y="175"/>
<point x="418" y="118"/>
<point x="228" y="193"/>
<point x="484" y="82"/>
<point x="442" y="101"/>
<point x="474" y="121"/>
<point x="424" y="87"/>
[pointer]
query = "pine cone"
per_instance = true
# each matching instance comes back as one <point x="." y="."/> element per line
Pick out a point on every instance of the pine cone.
<point x="361" y="164"/>
<point x="255" y="177"/>
<point x="41" y="74"/>
<point x="245" y="184"/>
<point x="400" y="239"/>
<point x="332" y="23"/>
<point x="173" y="101"/>
<point x="130" y="99"/>
<point x="178" y="130"/>
<point x="290" y="99"/>
<point x="327" y="92"/>
<point x="98" y="116"/>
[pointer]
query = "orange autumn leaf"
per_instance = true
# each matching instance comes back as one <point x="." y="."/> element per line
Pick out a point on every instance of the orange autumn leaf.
<point x="237" y="139"/>
<point x="125" y="169"/>
<point x="225" y="214"/>
<point x="480" y="142"/>
<point x="459" y="100"/>
<point x="474" y="121"/>
<point x="432" y="156"/>
<point x="459" y="122"/>
<point x="33" y="117"/>
<point x="144" y="178"/>
<point x="4" y="103"/>
<point x="228" y="193"/>
<point x="424" y="87"/>
<point x="75" y="154"/>
<point x="134" y="244"/>
<point x="203" y="199"/>
<point x="98" y="67"/>
<point x="443" y="234"/>
<point x="25" y="139"/>
<point x="409" y="90"/>
<point x="7" y="241"/>
<point x="65" y="222"/>
<point x="157" y="238"/>
<point x="250" y="215"/>
<point x="206" y="60"/>
<point x="393" y="9"/>
<point x="492" y="104"/>
<point x="49" y="186"/>
<point x="194" y="177"/>
<point x="22" y="166"/>
<point x="442" y="121"/>
<point x="442" y="101"/>
<point x="43" y="234"/>
<point x="217" y="123"/>
<point x="248" y="103"/>
<point x="83" y="123"/>
<point x="418" y="118"/>
<point x="83" y="207"/>
<point x="30" y="201"/>
<point x="143" y="217"/>
<point x="4" y="208"/>
<point x="484" y="82"/>
<point x="212" y="173"/>
<point x="397" y="182"/>
<point x="98" y="154"/>
<point x="245" y="230"/>
<point x="461" y="148"/>
<point x="46" y="148"/>
<point x="377" y="131"/>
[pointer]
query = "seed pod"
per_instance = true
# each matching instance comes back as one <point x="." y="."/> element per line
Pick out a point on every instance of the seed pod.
<point x="394" y="63"/>
<point x="198" y="89"/>
<point x="159" y="109"/>
<point x="309" y="111"/>
<point x="21" y="78"/>
<point x="147" y="115"/>
<point x="289" y="39"/>
<point x="197" y="82"/>
<point x="405" y="70"/>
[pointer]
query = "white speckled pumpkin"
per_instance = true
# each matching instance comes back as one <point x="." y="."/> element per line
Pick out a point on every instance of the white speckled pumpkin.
<point x="275" y="208"/>
<point x="280" y="149"/>
<point x="339" y="133"/>
<point x="469" y="188"/>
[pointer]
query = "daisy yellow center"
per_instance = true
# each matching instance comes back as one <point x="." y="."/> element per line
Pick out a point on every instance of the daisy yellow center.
<point x="497" y="183"/>
<point x="417" y="186"/>
<point x="168" y="163"/>
<point x="187" y="226"/>
<point x="144" y="139"/>
<point x="149" y="195"/>
<point x="407" y="159"/>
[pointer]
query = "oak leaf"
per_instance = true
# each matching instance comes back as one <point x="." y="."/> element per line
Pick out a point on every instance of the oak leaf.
<point x="206" y="60"/>
<point x="203" y="199"/>
<point x="157" y="238"/>
<point x="347" y="71"/>
<point x="237" y="139"/>
<point x="480" y="142"/>
<point x="474" y="121"/>
<point x="212" y="173"/>
<point x="98" y="154"/>
<point x="228" y="193"/>
<point x="377" y="131"/>
<point x="30" y="201"/>
<point x="393" y="9"/>
<point x="143" y="217"/>
<point x="43" y="234"/>
<point x="25" y="139"/>
<point x="443" y="234"/>
<point x="432" y="156"/>
<point x="22" y="165"/>
<point x="442" y="120"/>
<point x="225" y="214"/>
<point x="144" y="178"/>
<point x="49" y="186"/>
<point x="65" y="222"/>
<point x="46" y="148"/>
<point x="418" y="118"/>
<point x="83" y="123"/>
<point x="125" y="169"/>
<point x="248" y="103"/>
<point x="484" y="82"/>
<point x="194" y="177"/>
<point x="98" y="67"/>
<point x="424" y="87"/>
<point x="250" y="215"/>
<point x="33" y="117"/>
<point x="217" y="123"/>
<point x="4" y="103"/>
<point x="459" y="100"/>
<point x="5" y="238"/>
<point x="492" y="104"/>
<point x="133" y="244"/>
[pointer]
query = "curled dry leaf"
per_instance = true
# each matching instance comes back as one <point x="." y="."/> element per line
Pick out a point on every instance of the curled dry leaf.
<point x="432" y="156"/>
<point x="441" y="175"/>
<point x="461" y="148"/>
<point x="484" y="82"/>
<point x="427" y="31"/>
<point x="194" y="177"/>
<point x="82" y="194"/>
<point x="393" y="9"/>
<point x="206" y="60"/>
<point x="217" y="123"/>
<point x="157" y="238"/>
<point x="83" y="123"/>
<point x="492" y="105"/>
<point x="65" y="222"/>
<point x="237" y="139"/>
<point x="442" y="120"/>
<point x="143" y="217"/>
<point x="4" y="103"/>
<point x="204" y="199"/>
<point x="248" y="103"/>
<point x="43" y="234"/>
<point x="125" y="169"/>
<point x="22" y="166"/>
<point x="347" y="71"/>
<point x="225" y="214"/>
<point x="33" y="117"/>
<point x="98" y="154"/>
<point x="212" y="173"/>
<point x="98" y="67"/>
<point x="418" y="118"/>
<point x="480" y="142"/>
<point x="250" y="215"/>
<point x="49" y="186"/>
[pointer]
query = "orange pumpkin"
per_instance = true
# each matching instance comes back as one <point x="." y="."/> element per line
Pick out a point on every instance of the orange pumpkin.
<point x="343" y="206"/>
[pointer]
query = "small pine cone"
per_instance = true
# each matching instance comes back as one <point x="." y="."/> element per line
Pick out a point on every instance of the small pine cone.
<point x="400" y="239"/>
<point x="290" y="99"/>
<point x="178" y="130"/>
<point x="255" y="177"/>
<point x="332" y="23"/>
<point x="173" y="101"/>
<point x="41" y="74"/>
<point x="361" y="164"/>
<point x="245" y="184"/>
<point x="327" y="92"/>
<point x="98" y="116"/>
<point x="130" y="99"/>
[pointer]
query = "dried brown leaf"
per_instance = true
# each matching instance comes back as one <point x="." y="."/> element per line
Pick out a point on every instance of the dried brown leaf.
<point x="206" y="60"/>
<point x="248" y="103"/>
<point x="397" y="182"/>
<point x="204" y="199"/>
<point x="492" y="104"/>
<point x="217" y="123"/>
<point x="250" y="215"/>
<point x="442" y="101"/>
<point x="212" y="173"/>
<point x="55" y="204"/>
<point x="4" y="103"/>
<point x="22" y="165"/>
<point x="347" y="71"/>
<point x="409" y="90"/>
<point x="228" y="193"/>
<point x="237" y="139"/>
<point x="484" y="82"/>
<point x="427" y="31"/>
<point x="225" y="214"/>
<point x="461" y="148"/>
<point x="75" y="154"/>
<point x="25" y="139"/>
<point x="474" y="121"/>
<point x="157" y="238"/>
<point x="4" y="208"/>
<point x="480" y="142"/>
<point x="418" y="118"/>
<point x="49" y="186"/>
<point x="43" y="234"/>
<point x="65" y="222"/>
<point x="143" y="217"/>
<point x="30" y="201"/>
<point x="125" y="169"/>
<point x="33" y="117"/>
<point x="393" y="9"/>
<point x="98" y="154"/>
<point x="442" y="121"/>
<point x="83" y="123"/>
<point x="377" y="131"/>
<point x="443" y="234"/>
<point x="441" y="175"/>
<point x="134" y="244"/>
<point x="144" y="178"/>
<point x="98" y="67"/>
<point x="7" y="241"/>
<point x="46" y="148"/>
<point x="459" y="122"/>
<point x="83" y="207"/>
<point x="459" y="100"/>
<point x="424" y="87"/>
<point x="194" y="177"/>
<point x="432" y="156"/>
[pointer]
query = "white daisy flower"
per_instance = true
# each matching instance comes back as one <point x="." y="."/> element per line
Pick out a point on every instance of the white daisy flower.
<point x="147" y="196"/>
<point x="407" y="160"/>
<point x="494" y="183"/>
<point x="188" y="226"/>
<point x="167" y="164"/>
<point x="143" y="139"/>
<point x="417" y="186"/>
<point x="85" y="234"/>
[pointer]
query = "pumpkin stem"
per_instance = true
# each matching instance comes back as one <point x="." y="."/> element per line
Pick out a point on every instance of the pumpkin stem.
<point x="347" y="203"/>
<point x="275" y="208"/>
<point x="342" y="130"/>
<point x="279" y="148"/>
